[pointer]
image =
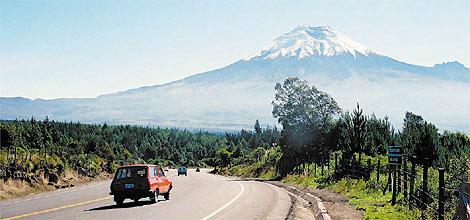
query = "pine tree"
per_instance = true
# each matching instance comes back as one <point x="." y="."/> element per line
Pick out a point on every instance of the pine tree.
<point x="257" y="127"/>
<point x="359" y="130"/>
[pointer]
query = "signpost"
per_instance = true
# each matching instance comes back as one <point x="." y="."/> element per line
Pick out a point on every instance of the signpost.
<point x="394" y="160"/>
<point x="394" y="155"/>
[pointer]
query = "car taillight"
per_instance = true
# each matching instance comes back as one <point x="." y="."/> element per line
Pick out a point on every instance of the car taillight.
<point x="148" y="178"/>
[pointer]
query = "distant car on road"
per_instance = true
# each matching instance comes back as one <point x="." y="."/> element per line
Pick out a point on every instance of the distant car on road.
<point x="182" y="170"/>
<point x="140" y="181"/>
<point x="198" y="170"/>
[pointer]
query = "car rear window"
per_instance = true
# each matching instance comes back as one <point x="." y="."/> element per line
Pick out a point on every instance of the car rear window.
<point x="131" y="172"/>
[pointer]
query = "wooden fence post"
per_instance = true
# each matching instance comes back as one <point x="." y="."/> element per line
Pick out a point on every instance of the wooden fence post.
<point x="425" y="182"/>
<point x="389" y="182"/>
<point x="405" y="178"/>
<point x="315" y="169"/>
<point x="336" y="161"/>
<point x="412" y="182"/>
<point x="398" y="167"/>
<point x="328" y="164"/>
<point x="441" y="194"/>
<point x="394" y="185"/>
<point x="378" y="172"/>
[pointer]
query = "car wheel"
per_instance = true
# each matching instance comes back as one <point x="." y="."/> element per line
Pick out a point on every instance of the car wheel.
<point x="154" y="197"/>
<point x="185" y="174"/>
<point x="119" y="201"/>
<point x="166" y="196"/>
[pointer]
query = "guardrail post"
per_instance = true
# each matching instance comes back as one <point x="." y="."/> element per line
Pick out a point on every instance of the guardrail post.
<point x="441" y="194"/>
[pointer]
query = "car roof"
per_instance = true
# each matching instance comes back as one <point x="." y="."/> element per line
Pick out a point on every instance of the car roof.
<point x="139" y="165"/>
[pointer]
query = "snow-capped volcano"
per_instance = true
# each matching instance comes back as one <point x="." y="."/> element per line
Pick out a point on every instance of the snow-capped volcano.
<point x="233" y="96"/>
<point x="305" y="41"/>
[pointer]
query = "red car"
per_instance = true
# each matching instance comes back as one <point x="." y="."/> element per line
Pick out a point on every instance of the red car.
<point x="139" y="181"/>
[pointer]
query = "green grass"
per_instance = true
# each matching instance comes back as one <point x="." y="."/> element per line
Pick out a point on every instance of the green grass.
<point x="251" y="171"/>
<point x="364" y="195"/>
<point x="361" y="196"/>
<point x="372" y="201"/>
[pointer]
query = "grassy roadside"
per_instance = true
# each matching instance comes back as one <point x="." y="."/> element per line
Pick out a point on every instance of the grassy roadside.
<point x="13" y="188"/>
<point x="363" y="197"/>
<point x="249" y="171"/>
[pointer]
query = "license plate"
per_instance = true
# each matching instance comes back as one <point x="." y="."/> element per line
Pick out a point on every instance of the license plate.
<point x="129" y="186"/>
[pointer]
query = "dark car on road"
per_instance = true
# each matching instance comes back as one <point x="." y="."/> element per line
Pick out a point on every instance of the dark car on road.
<point x="182" y="171"/>
<point x="140" y="181"/>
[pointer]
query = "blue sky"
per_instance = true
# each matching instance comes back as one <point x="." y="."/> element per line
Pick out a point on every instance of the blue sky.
<point x="52" y="49"/>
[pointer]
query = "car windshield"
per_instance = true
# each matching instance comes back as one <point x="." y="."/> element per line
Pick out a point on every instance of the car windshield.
<point x="131" y="172"/>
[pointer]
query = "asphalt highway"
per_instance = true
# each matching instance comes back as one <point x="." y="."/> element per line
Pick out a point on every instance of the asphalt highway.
<point x="199" y="195"/>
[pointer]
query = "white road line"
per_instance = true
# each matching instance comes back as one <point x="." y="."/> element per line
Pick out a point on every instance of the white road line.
<point x="226" y="205"/>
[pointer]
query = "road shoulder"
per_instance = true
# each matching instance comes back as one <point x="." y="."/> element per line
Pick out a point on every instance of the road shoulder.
<point x="324" y="204"/>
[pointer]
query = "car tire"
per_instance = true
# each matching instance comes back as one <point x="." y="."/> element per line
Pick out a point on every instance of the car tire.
<point x="119" y="201"/>
<point x="166" y="196"/>
<point x="154" y="197"/>
<point x="185" y="174"/>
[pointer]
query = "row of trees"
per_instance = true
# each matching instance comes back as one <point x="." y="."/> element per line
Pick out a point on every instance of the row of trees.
<point x="75" y="144"/>
<point x="314" y="127"/>
<point x="30" y="145"/>
<point x="248" y="147"/>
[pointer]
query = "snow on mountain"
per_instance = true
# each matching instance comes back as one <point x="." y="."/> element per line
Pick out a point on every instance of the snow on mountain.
<point x="305" y="41"/>
<point x="233" y="96"/>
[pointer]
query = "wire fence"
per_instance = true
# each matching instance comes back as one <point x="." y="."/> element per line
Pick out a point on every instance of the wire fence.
<point x="417" y="190"/>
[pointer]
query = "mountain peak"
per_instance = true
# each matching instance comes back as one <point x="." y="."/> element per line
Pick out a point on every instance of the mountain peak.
<point x="305" y="41"/>
<point x="454" y="65"/>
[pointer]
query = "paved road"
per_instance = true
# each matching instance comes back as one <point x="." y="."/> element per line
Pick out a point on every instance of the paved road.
<point x="196" y="196"/>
